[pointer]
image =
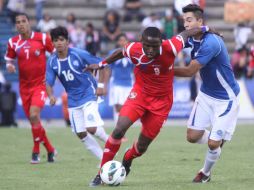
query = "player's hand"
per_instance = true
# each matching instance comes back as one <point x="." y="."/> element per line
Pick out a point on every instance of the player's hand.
<point x="92" y="67"/>
<point x="101" y="91"/>
<point x="52" y="100"/>
<point x="11" y="68"/>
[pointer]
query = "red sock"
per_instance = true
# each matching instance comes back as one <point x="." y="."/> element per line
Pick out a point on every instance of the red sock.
<point x="111" y="147"/>
<point x="132" y="153"/>
<point x="36" y="131"/>
<point x="46" y="141"/>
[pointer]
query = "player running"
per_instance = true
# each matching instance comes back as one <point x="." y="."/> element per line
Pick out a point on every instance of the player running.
<point x="67" y="64"/>
<point x="217" y="104"/>
<point x="29" y="48"/>
<point x="152" y="94"/>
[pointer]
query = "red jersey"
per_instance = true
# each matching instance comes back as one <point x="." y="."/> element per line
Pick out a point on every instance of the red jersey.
<point x="154" y="76"/>
<point x="31" y="57"/>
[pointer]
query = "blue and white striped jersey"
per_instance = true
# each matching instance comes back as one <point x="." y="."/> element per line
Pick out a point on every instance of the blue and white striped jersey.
<point x="80" y="86"/>
<point x="216" y="72"/>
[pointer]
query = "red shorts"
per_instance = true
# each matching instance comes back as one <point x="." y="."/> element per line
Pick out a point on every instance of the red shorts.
<point x="153" y="111"/>
<point x="33" y="97"/>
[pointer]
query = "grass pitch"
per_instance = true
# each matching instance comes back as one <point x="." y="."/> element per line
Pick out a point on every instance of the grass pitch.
<point x="170" y="162"/>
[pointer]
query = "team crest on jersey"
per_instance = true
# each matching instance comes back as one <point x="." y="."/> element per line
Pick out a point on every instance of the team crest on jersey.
<point x="219" y="133"/>
<point x="37" y="52"/>
<point x="90" y="117"/>
<point x="75" y="63"/>
<point x="132" y="95"/>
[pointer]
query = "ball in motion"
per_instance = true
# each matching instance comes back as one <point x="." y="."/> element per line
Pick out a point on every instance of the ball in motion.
<point x="113" y="173"/>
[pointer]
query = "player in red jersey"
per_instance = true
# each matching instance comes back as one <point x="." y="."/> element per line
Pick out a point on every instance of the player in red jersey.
<point x="152" y="95"/>
<point x="29" y="49"/>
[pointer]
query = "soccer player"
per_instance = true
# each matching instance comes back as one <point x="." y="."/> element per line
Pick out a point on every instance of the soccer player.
<point x="217" y="104"/>
<point x="67" y="64"/>
<point x="152" y="94"/>
<point x="122" y="77"/>
<point x="29" y="48"/>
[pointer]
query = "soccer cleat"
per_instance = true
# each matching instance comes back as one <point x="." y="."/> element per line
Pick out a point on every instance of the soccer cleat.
<point x="127" y="165"/>
<point x="201" y="178"/>
<point x="96" y="181"/>
<point x="35" y="158"/>
<point x="52" y="156"/>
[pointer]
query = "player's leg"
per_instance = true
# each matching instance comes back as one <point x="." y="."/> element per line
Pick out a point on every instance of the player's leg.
<point x="93" y="121"/>
<point x="151" y="125"/>
<point x="224" y="122"/>
<point x="37" y="103"/>
<point x="78" y="127"/>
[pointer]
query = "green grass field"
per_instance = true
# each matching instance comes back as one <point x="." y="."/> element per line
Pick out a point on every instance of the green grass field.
<point x="170" y="162"/>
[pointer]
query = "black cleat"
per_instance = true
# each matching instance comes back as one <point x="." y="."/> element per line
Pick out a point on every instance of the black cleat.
<point x="127" y="165"/>
<point x="52" y="156"/>
<point x="35" y="158"/>
<point x="201" y="178"/>
<point x="96" y="181"/>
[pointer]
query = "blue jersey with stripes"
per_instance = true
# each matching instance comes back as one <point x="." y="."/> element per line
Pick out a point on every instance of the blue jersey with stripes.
<point x="216" y="72"/>
<point x="80" y="86"/>
<point x="122" y="72"/>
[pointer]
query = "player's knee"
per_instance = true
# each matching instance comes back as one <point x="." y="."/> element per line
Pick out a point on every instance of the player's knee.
<point x="33" y="118"/>
<point x="82" y="135"/>
<point x="213" y="144"/>
<point x="118" y="133"/>
<point x="190" y="138"/>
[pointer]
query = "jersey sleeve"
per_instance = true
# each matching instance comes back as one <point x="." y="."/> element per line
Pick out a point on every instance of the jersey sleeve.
<point x="176" y="43"/>
<point x="87" y="58"/>
<point x="208" y="50"/>
<point x="50" y="74"/>
<point x="10" y="52"/>
<point x="127" y="50"/>
<point x="47" y="43"/>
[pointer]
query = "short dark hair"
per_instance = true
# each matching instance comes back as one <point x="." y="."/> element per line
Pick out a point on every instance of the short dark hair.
<point x="22" y="14"/>
<point x="59" y="31"/>
<point x="121" y="35"/>
<point x="153" y="32"/>
<point x="195" y="9"/>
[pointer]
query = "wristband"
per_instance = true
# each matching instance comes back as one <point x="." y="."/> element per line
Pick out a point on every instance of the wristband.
<point x="204" y="29"/>
<point x="100" y="85"/>
<point x="103" y="63"/>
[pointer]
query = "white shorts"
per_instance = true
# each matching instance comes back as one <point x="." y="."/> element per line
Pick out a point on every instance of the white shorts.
<point x="220" y="115"/>
<point x="85" y="116"/>
<point x="118" y="94"/>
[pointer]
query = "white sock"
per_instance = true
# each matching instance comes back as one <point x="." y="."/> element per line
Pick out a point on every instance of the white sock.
<point x="92" y="145"/>
<point x="101" y="134"/>
<point x="204" y="138"/>
<point x="211" y="157"/>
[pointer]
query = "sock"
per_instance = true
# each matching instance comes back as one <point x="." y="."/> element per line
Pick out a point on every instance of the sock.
<point x="92" y="145"/>
<point x="46" y="141"/>
<point x="204" y="138"/>
<point x="101" y="134"/>
<point x="211" y="157"/>
<point x="36" y="131"/>
<point x="132" y="153"/>
<point x="111" y="148"/>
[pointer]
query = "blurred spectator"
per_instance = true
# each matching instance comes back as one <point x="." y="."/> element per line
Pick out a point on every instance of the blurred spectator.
<point x="14" y="7"/>
<point x="251" y="63"/>
<point x="133" y="10"/>
<point x="179" y="4"/>
<point x="111" y="28"/>
<point x="152" y="21"/>
<point x="114" y="4"/>
<point x="77" y="36"/>
<point x="8" y="100"/>
<point x="65" y="109"/>
<point x="1" y="5"/>
<point x="46" y="23"/>
<point x="242" y="32"/>
<point x="92" y="39"/>
<point x="240" y="62"/>
<point x="39" y="9"/>
<point x="169" y="24"/>
<point x="70" y="22"/>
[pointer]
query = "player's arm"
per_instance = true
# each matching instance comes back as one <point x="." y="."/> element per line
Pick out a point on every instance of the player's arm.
<point x="192" y="32"/>
<point x="50" y="80"/>
<point x="10" y="57"/>
<point x="189" y="70"/>
<point x="104" y="75"/>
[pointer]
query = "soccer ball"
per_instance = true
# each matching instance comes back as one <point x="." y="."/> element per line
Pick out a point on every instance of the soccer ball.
<point x="113" y="173"/>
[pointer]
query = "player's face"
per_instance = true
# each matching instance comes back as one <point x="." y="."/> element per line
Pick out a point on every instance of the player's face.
<point x="22" y="24"/>
<point x="61" y="44"/>
<point x="190" y="21"/>
<point x="151" y="46"/>
<point x="122" y="41"/>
